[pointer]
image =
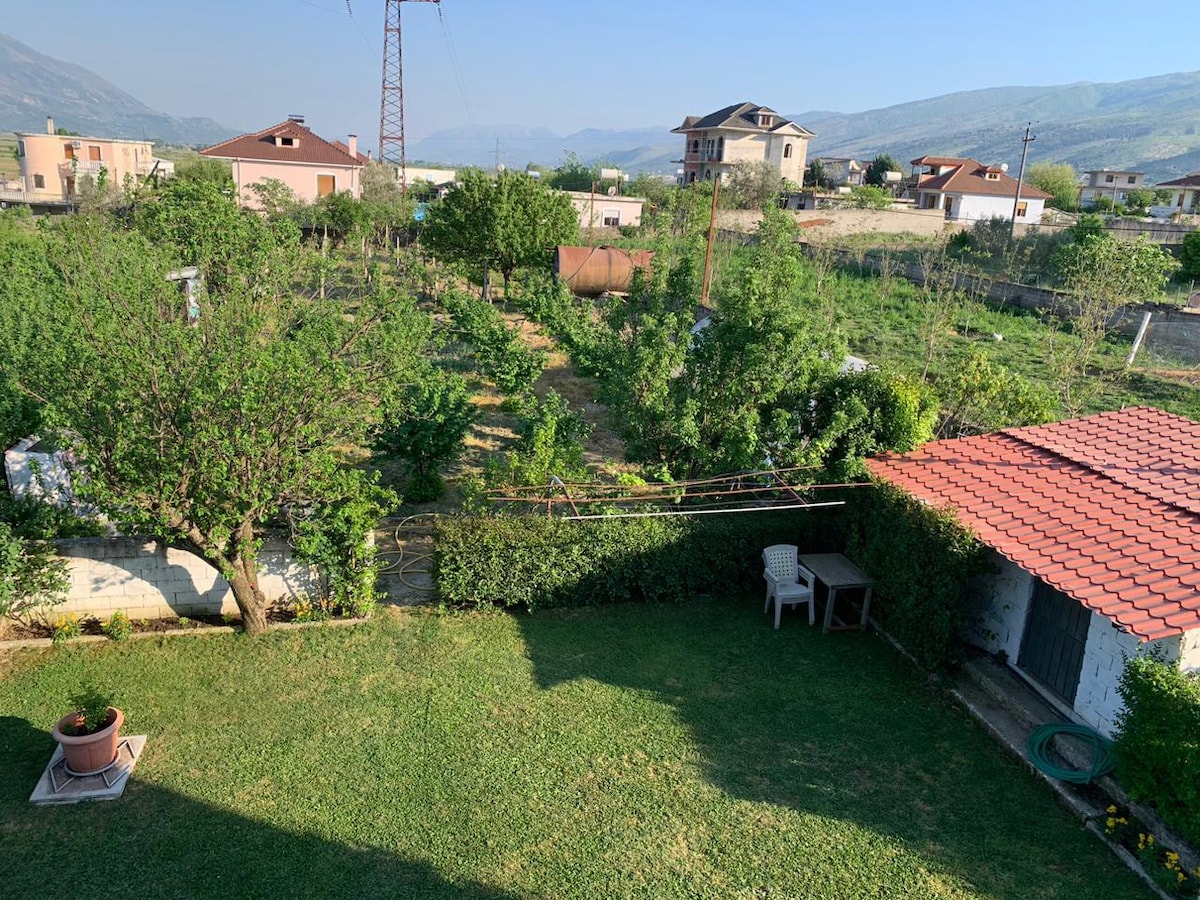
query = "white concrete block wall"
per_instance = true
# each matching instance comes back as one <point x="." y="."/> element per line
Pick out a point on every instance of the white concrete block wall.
<point x="1000" y="607"/>
<point x="147" y="580"/>
<point x="1096" y="701"/>
<point x="1189" y="651"/>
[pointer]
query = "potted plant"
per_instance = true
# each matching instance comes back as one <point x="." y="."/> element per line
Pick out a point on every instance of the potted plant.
<point x="89" y="736"/>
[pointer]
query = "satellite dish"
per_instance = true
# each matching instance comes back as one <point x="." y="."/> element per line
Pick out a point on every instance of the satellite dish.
<point x="1003" y="167"/>
<point x="612" y="191"/>
<point x="500" y="168"/>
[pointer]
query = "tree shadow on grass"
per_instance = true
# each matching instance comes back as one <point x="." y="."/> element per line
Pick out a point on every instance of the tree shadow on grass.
<point x="154" y="843"/>
<point x="835" y="726"/>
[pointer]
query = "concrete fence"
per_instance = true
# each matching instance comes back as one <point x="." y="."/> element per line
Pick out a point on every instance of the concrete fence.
<point x="147" y="579"/>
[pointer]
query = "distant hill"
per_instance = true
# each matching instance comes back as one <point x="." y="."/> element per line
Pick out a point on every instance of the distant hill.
<point x="1150" y="124"/>
<point x="33" y="86"/>
<point x="633" y="149"/>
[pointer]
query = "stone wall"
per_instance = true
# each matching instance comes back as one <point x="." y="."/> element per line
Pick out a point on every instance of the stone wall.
<point x="830" y="223"/>
<point x="146" y="579"/>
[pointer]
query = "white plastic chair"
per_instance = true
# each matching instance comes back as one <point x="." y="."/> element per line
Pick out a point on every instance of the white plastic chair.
<point x="788" y="582"/>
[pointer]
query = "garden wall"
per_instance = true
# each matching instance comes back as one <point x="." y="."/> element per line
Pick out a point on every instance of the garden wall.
<point x="844" y="222"/>
<point x="146" y="579"/>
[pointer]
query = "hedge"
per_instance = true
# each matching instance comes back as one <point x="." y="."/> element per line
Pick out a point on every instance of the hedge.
<point x="923" y="562"/>
<point x="533" y="563"/>
<point x="1158" y="742"/>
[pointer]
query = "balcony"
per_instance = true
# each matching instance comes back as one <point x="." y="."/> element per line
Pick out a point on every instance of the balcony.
<point x="80" y="167"/>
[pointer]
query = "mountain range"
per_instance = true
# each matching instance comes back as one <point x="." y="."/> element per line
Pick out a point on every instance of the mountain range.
<point x="1150" y="125"/>
<point x="33" y="86"/>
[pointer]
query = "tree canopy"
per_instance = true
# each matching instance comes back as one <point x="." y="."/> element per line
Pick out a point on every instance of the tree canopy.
<point x="204" y="432"/>
<point x="1060" y="180"/>
<point x="878" y="169"/>
<point x="504" y="223"/>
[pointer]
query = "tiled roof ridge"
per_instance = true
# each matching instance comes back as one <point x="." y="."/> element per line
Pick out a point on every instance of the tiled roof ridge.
<point x="1024" y="434"/>
<point x="253" y="134"/>
<point x="342" y="153"/>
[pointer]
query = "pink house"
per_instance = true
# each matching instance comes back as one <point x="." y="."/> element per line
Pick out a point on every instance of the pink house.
<point x="291" y="153"/>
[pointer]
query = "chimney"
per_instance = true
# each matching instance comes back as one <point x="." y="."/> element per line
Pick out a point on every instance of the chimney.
<point x="50" y="125"/>
<point x="354" y="145"/>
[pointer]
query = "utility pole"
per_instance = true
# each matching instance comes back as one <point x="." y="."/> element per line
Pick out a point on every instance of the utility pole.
<point x="712" y="236"/>
<point x="391" y="91"/>
<point x="1025" y="142"/>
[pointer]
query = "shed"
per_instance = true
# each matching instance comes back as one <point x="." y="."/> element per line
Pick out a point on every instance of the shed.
<point x="1095" y="528"/>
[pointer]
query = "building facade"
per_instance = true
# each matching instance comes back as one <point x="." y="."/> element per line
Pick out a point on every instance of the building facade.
<point x="744" y="132"/>
<point x="604" y="211"/>
<point x="55" y="167"/>
<point x="1108" y="184"/>
<point x="294" y="155"/>
<point x="967" y="191"/>
<point x="1185" y="193"/>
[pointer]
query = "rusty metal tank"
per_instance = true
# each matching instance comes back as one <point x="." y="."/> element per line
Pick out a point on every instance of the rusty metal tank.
<point x="590" y="271"/>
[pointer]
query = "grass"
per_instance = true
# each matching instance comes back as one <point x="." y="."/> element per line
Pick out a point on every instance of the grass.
<point x="9" y="167"/>
<point x="627" y="751"/>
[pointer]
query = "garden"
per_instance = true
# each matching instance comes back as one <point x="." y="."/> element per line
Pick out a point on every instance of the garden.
<point x="635" y="750"/>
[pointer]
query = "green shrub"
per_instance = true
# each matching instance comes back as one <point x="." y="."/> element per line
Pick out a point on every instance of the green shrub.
<point x="532" y="562"/>
<point x="118" y="627"/>
<point x="1158" y="742"/>
<point x="923" y="561"/>
<point x="499" y="351"/>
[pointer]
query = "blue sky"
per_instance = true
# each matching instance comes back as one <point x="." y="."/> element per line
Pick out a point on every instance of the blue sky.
<point x="566" y="66"/>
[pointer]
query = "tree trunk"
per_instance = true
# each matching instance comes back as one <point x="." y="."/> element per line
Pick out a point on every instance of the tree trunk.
<point x="246" y="593"/>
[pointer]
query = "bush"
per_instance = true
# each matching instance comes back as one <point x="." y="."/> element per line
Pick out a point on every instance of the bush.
<point x="32" y="577"/>
<point x="1158" y="742"/>
<point x="923" y="561"/>
<point x="499" y="350"/>
<point x="1189" y="255"/>
<point x="532" y="562"/>
<point x="118" y="627"/>
<point x="550" y="444"/>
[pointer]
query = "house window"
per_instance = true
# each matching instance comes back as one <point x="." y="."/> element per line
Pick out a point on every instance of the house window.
<point x="708" y="174"/>
<point x="1108" y="179"/>
<point x="287" y="142"/>
<point x="612" y="218"/>
<point x="1133" y="179"/>
<point x="695" y="146"/>
<point x="1021" y="208"/>
<point x="787" y="151"/>
<point x="992" y="176"/>
<point x="68" y="150"/>
<point x="711" y="147"/>
<point x="326" y="185"/>
<point x="39" y="182"/>
<point x="93" y="153"/>
<point x="691" y="177"/>
<point x="20" y="148"/>
<point x="720" y="149"/>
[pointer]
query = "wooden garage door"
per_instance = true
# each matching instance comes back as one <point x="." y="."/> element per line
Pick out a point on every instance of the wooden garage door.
<point x="1055" y="637"/>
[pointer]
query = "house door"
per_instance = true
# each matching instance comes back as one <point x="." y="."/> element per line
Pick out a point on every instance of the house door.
<point x="1055" y="636"/>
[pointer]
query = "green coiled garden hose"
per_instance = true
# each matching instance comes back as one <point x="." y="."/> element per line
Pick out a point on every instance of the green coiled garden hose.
<point x="1104" y="760"/>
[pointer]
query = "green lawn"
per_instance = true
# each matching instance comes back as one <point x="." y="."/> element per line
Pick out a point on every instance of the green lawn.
<point x="669" y="751"/>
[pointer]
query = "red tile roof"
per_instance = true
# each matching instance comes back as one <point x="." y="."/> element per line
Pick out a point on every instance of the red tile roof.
<point x="310" y="148"/>
<point x="966" y="176"/>
<point x="1105" y="508"/>
<point x="1192" y="180"/>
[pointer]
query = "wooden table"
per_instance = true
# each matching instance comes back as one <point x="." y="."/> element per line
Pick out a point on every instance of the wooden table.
<point x="836" y="572"/>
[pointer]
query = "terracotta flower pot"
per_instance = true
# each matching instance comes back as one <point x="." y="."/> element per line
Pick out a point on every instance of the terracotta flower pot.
<point x="87" y="754"/>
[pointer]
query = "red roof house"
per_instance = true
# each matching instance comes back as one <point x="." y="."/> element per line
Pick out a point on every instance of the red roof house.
<point x="967" y="191"/>
<point x="1096" y="526"/>
<point x="292" y="154"/>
